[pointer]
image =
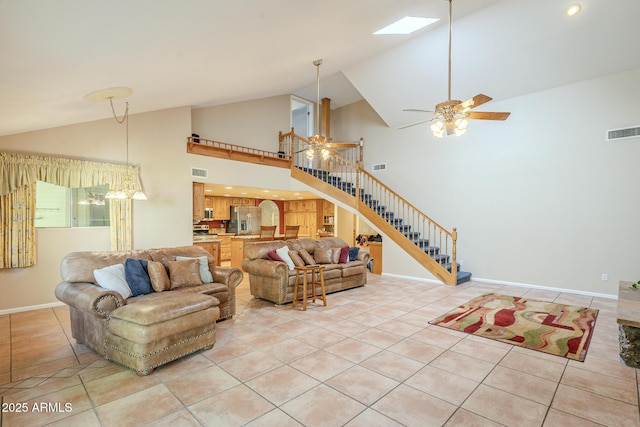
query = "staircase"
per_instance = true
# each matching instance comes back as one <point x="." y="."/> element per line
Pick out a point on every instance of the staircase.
<point x="341" y="177"/>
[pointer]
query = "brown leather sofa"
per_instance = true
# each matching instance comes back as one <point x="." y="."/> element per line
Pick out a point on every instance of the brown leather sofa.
<point x="273" y="280"/>
<point x="145" y="331"/>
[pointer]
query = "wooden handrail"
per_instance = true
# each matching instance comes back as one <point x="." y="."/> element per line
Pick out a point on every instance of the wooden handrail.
<point x="233" y="147"/>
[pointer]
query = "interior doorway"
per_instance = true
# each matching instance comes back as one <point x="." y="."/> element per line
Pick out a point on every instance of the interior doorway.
<point x="302" y="116"/>
<point x="270" y="214"/>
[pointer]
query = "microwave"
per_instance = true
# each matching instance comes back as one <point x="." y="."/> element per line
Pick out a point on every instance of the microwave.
<point x="208" y="213"/>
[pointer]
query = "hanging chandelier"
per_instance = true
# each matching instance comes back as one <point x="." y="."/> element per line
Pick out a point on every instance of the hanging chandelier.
<point x="126" y="189"/>
<point x="318" y="144"/>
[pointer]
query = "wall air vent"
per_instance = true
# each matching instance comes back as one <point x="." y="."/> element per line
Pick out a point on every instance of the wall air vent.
<point x="626" y="133"/>
<point x="379" y="167"/>
<point x="199" y="173"/>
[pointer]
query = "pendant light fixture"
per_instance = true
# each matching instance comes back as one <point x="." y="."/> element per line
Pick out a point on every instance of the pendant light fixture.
<point x="126" y="189"/>
<point x="318" y="143"/>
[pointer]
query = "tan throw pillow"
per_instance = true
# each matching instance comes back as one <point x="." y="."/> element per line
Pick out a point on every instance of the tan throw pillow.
<point x="158" y="275"/>
<point x="299" y="262"/>
<point x="306" y="257"/>
<point x="335" y="257"/>
<point x="184" y="273"/>
<point x="324" y="255"/>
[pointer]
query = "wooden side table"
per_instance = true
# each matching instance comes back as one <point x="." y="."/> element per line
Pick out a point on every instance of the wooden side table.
<point x="306" y="296"/>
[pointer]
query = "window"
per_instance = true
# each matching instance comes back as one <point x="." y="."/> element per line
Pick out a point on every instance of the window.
<point x="64" y="207"/>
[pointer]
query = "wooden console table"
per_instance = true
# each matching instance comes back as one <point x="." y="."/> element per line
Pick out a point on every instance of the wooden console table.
<point x="628" y="318"/>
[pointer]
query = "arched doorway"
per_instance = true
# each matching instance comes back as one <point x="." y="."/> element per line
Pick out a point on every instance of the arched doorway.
<point x="270" y="214"/>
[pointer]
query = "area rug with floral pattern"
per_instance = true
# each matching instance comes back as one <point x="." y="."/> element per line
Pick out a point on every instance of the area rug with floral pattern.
<point x="559" y="329"/>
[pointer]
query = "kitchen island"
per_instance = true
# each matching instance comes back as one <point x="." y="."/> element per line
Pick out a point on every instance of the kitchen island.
<point x="211" y="244"/>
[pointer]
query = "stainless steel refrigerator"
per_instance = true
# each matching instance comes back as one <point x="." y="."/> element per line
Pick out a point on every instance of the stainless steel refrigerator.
<point x="245" y="220"/>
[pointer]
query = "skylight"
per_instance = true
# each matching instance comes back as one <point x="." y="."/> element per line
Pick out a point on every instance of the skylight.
<point x="407" y="25"/>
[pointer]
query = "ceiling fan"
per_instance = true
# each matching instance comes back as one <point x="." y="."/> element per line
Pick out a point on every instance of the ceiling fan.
<point x="451" y="116"/>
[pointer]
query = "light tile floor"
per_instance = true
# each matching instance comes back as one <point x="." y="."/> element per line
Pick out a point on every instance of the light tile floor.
<point x="367" y="359"/>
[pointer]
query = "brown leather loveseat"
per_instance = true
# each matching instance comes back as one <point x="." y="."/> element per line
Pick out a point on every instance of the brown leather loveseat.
<point x="145" y="331"/>
<point x="274" y="280"/>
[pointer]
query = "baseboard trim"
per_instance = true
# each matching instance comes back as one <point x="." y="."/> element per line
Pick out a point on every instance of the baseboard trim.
<point x="507" y="283"/>
<point x="31" y="307"/>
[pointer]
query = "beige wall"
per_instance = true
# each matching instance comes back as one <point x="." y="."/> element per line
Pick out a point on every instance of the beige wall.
<point x="251" y="123"/>
<point x="157" y="144"/>
<point x="540" y="199"/>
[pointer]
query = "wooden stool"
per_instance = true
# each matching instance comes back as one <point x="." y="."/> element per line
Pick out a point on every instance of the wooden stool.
<point x="303" y="270"/>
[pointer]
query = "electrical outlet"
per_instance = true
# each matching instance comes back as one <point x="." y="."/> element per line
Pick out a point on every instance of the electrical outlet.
<point x="605" y="277"/>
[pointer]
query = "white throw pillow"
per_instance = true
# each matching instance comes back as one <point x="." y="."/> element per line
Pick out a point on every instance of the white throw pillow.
<point x="283" y="253"/>
<point x="113" y="278"/>
<point x="205" y="273"/>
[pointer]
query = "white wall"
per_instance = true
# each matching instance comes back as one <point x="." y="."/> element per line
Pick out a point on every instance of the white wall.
<point x="539" y="199"/>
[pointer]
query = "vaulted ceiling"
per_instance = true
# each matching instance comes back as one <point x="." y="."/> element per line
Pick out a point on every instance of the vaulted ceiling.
<point x="212" y="52"/>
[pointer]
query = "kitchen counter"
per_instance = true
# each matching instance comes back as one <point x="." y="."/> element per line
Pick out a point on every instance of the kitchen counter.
<point x="206" y="239"/>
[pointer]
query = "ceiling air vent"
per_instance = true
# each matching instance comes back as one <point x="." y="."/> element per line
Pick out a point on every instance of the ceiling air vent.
<point x="199" y="173"/>
<point x="379" y="167"/>
<point x="615" y="134"/>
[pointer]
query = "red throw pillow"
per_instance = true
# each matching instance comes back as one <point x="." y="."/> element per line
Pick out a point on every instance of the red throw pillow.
<point x="344" y="255"/>
<point x="273" y="256"/>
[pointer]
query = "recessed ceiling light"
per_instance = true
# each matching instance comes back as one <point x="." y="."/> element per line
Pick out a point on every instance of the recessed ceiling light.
<point x="296" y="194"/>
<point x="228" y="188"/>
<point x="244" y="192"/>
<point x="407" y="25"/>
<point x="265" y="191"/>
<point x="227" y="195"/>
<point x="274" y="195"/>
<point x="208" y="190"/>
<point x="574" y="9"/>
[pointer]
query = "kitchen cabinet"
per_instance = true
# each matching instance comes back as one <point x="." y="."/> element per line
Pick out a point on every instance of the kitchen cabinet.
<point x="242" y="201"/>
<point x="375" y="250"/>
<point x="198" y="201"/>
<point x="328" y="216"/>
<point x="308" y="214"/>
<point x="221" y="209"/>
<point x="237" y="251"/>
<point x="213" y="248"/>
<point x="225" y="247"/>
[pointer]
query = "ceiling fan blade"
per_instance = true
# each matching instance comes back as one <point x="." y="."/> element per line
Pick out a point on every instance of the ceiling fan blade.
<point x="415" y="124"/>
<point x="417" y="110"/>
<point x="486" y="115"/>
<point x="477" y="100"/>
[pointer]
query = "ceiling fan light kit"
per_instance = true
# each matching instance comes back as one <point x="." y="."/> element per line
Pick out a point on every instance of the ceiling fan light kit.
<point x="452" y="116"/>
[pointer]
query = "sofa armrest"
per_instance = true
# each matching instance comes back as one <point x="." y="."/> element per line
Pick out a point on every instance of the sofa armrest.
<point x="265" y="267"/>
<point x="231" y="277"/>
<point x="89" y="298"/>
<point x="364" y="256"/>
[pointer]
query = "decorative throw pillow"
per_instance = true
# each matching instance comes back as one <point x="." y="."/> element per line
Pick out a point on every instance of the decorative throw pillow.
<point x="113" y="278"/>
<point x="135" y="271"/>
<point x="205" y="273"/>
<point x="344" y="255"/>
<point x="184" y="273"/>
<point x="158" y="275"/>
<point x="335" y="255"/>
<point x="323" y="255"/>
<point x="299" y="262"/>
<point x="273" y="256"/>
<point x="306" y="257"/>
<point x="353" y="253"/>
<point x="283" y="253"/>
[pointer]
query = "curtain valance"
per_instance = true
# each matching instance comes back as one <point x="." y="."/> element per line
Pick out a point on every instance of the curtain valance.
<point x="18" y="170"/>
